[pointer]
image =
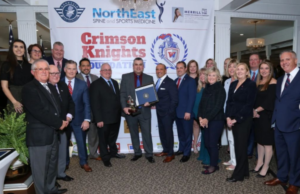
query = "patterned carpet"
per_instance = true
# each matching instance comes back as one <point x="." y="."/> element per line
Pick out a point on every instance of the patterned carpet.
<point x="143" y="177"/>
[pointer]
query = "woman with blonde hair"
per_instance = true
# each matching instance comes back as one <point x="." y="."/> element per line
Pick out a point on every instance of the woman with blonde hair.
<point x="262" y="113"/>
<point x="239" y="116"/>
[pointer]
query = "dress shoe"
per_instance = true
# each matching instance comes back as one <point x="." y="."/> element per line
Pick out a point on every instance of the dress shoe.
<point x="98" y="158"/>
<point x="184" y="159"/>
<point x="119" y="156"/>
<point x="150" y="159"/>
<point x="292" y="190"/>
<point x="169" y="159"/>
<point x="207" y="171"/>
<point x="161" y="154"/>
<point x="57" y="184"/>
<point x="66" y="178"/>
<point x="107" y="163"/>
<point x="86" y="168"/>
<point x="178" y="153"/>
<point x="232" y="180"/>
<point x="274" y="182"/>
<point x="60" y="191"/>
<point x="136" y="157"/>
<point x="256" y="171"/>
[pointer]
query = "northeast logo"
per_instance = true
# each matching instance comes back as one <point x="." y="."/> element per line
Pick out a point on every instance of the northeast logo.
<point x="69" y="11"/>
<point x="169" y="50"/>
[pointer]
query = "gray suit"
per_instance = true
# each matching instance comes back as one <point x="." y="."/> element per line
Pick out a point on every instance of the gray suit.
<point x="92" y="133"/>
<point x="144" y="119"/>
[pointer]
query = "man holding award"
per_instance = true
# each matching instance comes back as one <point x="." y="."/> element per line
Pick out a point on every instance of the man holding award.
<point x="166" y="111"/>
<point x="136" y="113"/>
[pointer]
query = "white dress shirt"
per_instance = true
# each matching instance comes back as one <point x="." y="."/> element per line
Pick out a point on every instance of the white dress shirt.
<point x="292" y="76"/>
<point x="161" y="80"/>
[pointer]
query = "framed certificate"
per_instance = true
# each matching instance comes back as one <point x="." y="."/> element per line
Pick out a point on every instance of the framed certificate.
<point x="146" y="93"/>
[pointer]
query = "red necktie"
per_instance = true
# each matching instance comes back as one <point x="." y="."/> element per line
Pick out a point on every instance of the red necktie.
<point x="88" y="81"/>
<point x="70" y="88"/>
<point x="178" y="82"/>
<point x="253" y="76"/>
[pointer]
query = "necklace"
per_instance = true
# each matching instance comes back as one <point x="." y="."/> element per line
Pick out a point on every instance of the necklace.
<point x="21" y="64"/>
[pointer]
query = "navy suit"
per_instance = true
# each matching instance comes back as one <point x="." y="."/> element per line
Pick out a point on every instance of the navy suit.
<point x="81" y="99"/>
<point x="286" y="117"/>
<point x="51" y="62"/>
<point x="186" y="99"/>
<point x="166" y="112"/>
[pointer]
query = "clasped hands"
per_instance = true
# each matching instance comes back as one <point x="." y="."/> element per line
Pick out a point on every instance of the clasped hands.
<point x="230" y="122"/>
<point x="255" y="114"/>
<point x="203" y="122"/>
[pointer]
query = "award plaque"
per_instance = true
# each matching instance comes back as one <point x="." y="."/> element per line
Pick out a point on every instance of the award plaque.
<point x="146" y="93"/>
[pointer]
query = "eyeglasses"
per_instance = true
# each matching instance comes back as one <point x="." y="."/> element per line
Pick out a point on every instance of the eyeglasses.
<point x="106" y="70"/>
<point x="41" y="69"/>
<point x="36" y="51"/>
<point x="57" y="73"/>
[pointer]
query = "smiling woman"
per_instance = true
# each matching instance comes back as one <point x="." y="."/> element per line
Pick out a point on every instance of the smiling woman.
<point x="15" y="73"/>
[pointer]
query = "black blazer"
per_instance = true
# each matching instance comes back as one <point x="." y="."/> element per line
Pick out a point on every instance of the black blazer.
<point x="67" y="103"/>
<point x="105" y="103"/>
<point x="211" y="106"/>
<point x="51" y="62"/>
<point x="42" y="114"/>
<point x="240" y="103"/>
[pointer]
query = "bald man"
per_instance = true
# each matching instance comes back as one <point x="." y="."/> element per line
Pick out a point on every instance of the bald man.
<point x="106" y="109"/>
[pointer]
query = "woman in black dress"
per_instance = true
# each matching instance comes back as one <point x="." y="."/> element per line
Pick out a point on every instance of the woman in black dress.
<point x="262" y="113"/>
<point x="15" y="73"/>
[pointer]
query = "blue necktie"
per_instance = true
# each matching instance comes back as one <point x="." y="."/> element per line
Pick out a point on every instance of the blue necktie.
<point x="287" y="82"/>
<point x="157" y="84"/>
<point x="138" y="83"/>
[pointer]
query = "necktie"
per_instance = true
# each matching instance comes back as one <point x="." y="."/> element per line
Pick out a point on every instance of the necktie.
<point x="287" y="82"/>
<point x="88" y="81"/>
<point x="110" y="85"/>
<point x="70" y="88"/>
<point x="157" y="84"/>
<point x="47" y="88"/>
<point x="58" y="92"/>
<point x="138" y="83"/>
<point x="58" y="66"/>
<point x="253" y="76"/>
<point x="178" y="82"/>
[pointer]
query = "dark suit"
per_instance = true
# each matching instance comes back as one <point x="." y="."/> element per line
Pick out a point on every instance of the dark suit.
<point x="92" y="132"/>
<point x="51" y="62"/>
<point x="286" y="117"/>
<point x="81" y="99"/>
<point x="67" y="107"/>
<point x="144" y="119"/>
<point x="240" y="107"/>
<point x="186" y="99"/>
<point x="43" y="120"/>
<point x="166" y="113"/>
<point x="106" y="108"/>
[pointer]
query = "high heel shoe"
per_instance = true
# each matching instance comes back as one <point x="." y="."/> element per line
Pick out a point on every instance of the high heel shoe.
<point x="233" y="180"/>
<point x="262" y="176"/>
<point x="254" y="171"/>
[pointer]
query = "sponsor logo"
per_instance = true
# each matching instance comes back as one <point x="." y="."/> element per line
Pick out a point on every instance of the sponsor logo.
<point x="69" y="11"/>
<point x="126" y="128"/>
<point x="159" y="146"/>
<point x="161" y="10"/>
<point x="130" y="148"/>
<point x="176" y="145"/>
<point x="171" y="48"/>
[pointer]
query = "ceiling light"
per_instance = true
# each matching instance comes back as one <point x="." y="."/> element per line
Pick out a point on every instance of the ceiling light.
<point x="241" y="34"/>
<point x="255" y="43"/>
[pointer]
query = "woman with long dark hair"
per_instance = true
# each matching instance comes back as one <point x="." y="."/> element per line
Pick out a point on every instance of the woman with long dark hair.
<point x="15" y="73"/>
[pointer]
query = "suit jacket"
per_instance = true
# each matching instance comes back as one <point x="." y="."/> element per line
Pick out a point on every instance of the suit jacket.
<point x="105" y="103"/>
<point x="51" y="62"/>
<point x="168" y="98"/>
<point x="93" y="77"/>
<point x="128" y="89"/>
<point x="67" y="104"/>
<point x="81" y="99"/>
<point x="186" y="96"/>
<point x="240" y="103"/>
<point x="286" y="115"/>
<point x="42" y="114"/>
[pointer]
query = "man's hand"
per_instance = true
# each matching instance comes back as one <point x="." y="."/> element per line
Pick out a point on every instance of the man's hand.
<point x="85" y="125"/>
<point x="64" y="125"/>
<point x="187" y="116"/>
<point x="147" y="104"/>
<point x="100" y="124"/>
<point x="126" y="110"/>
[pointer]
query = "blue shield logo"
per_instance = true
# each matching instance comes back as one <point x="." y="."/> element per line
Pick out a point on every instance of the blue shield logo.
<point x="69" y="11"/>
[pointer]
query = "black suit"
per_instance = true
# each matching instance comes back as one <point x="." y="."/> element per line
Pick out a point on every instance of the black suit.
<point x="106" y="107"/>
<point x="51" y="62"/>
<point x="43" y="116"/>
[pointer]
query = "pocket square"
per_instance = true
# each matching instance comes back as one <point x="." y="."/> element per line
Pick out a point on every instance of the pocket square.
<point x="163" y="88"/>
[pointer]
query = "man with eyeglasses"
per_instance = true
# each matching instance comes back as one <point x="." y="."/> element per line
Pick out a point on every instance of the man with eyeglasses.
<point x="67" y="112"/>
<point x="106" y="109"/>
<point x="85" y="75"/>
<point x="43" y="110"/>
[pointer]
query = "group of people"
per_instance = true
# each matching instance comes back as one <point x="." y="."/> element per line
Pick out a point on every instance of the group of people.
<point x="58" y="101"/>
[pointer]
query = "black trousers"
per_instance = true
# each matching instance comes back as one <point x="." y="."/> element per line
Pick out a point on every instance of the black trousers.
<point x="241" y="133"/>
<point x="108" y="135"/>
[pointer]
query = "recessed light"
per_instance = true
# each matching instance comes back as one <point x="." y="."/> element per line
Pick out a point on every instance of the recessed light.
<point x="241" y="34"/>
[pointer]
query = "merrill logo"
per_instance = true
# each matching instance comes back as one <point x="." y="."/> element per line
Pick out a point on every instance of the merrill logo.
<point x="69" y="11"/>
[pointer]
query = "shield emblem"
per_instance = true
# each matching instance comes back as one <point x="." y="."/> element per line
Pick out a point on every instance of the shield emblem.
<point x="171" y="54"/>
